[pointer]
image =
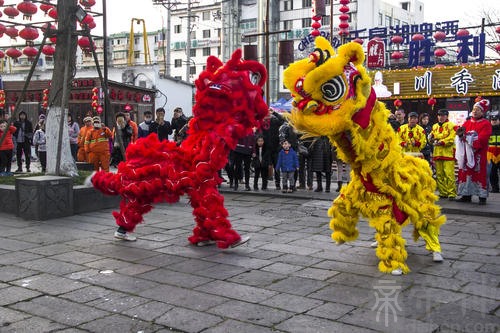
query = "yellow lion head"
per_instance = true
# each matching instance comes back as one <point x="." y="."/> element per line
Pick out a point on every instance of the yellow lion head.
<point x="328" y="88"/>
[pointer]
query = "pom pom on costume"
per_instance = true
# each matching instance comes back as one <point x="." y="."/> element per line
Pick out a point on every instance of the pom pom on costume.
<point x="228" y="106"/>
<point x="333" y="97"/>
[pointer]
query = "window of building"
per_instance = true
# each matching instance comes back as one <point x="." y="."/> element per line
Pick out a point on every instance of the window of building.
<point x="177" y="29"/>
<point x="380" y="19"/>
<point x="325" y="20"/>
<point x="327" y="2"/>
<point x="306" y="22"/>
<point x="118" y="41"/>
<point x="206" y="51"/>
<point x="206" y="16"/>
<point x="219" y="50"/>
<point x="287" y="24"/>
<point x="206" y="33"/>
<point x="397" y="21"/>
<point x="178" y="63"/>
<point x="288" y="5"/>
<point x="192" y="52"/>
<point x="192" y="35"/>
<point x="137" y="54"/>
<point x="136" y="41"/>
<point x="178" y="77"/>
<point x="388" y="21"/>
<point x="192" y="70"/>
<point x="405" y="5"/>
<point x="218" y="32"/>
<point x="306" y="3"/>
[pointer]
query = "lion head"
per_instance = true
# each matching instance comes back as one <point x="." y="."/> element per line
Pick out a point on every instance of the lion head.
<point x="328" y="88"/>
<point x="230" y="94"/>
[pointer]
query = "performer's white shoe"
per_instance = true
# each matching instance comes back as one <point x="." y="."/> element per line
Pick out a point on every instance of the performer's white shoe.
<point x="242" y="241"/>
<point x="374" y="244"/>
<point x="437" y="257"/>
<point x="397" y="272"/>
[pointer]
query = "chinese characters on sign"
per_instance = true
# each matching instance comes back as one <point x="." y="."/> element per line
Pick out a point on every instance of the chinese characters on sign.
<point x="461" y="81"/>
<point x="424" y="82"/>
<point x="375" y="54"/>
<point x="386" y="301"/>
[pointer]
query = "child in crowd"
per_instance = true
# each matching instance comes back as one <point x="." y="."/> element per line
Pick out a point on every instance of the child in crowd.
<point x="261" y="159"/>
<point x="6" y="148"/>
<point x="39" y="140"/>
<point x="288" y="163"/>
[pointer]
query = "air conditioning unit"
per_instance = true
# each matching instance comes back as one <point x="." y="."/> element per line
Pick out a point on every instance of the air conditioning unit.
<point x="128" y="76"/>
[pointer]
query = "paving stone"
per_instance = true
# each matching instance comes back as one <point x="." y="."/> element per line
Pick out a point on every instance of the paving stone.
<point x="86" y="294"/>
<point x="236" y="291"/>
<point x="387" y="320"/>
<point x="434" y="295"/>
<point x="294" y="259"/>
<point x="10" y="273"/>
<point x="49" y="284"/>
<point x="53" y="249"/>
<point x="236" y="259"/>
<point x="76" y="257"/>
<point x="161" y="260"/>
<point x="117" y="250"/>
<point x="331" y="310"/>
<point x="187" y="320"/>
<point x="119" y="324"/>
<point x="12" y="295"/>
<point x="191" y="265"/>
<point x="148" y="311"/>
<point x="8" y="316"/>
<point x="188" y="251"/>
<point x="290" y="249"/>
<point x="187" y="298"/>
<point x="15" y="245"/>
<point x="343" y="294"/>
<point x="491" y="269"/>
<point x="257" y="278"/>
<point x="107" y="264"/>
<point x="135" y="269"/>
<point x="479" y="304"/>
<point x="456" y="318"/>
<point x="282" y="268"/>
<point x="120" y="282"/>
<point x="51" y="266"/>
<point x="32" y="325"/>
<point x="175" y="278"/>
<point x="292" y="303"/>
<point x="117" y="302"/>
<point x="297" y="286"/>
<point x="264" y="254"/>
<point x="308" y="324"/>
<point x="350" y="267"/>
<point x="315" y="273"/>
<point x="252" y="313"/>
<point x="482" y="290"/>
<point x="240" y="327"/>
<point x="221" y="271"/>
<point x="60" y="310"/>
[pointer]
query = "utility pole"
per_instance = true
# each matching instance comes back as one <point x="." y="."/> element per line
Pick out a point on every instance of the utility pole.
<point x="188" y="41"/>
<point x="168" y="5"/>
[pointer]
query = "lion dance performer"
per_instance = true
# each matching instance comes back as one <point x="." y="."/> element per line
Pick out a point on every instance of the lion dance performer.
<point x="228" y="106"/>
<point x="333" y="97"/>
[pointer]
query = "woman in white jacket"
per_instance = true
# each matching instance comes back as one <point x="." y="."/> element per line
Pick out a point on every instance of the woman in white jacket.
<point x="39" y="140"/>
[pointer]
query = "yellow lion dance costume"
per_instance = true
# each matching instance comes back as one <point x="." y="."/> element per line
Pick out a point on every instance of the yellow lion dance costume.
<point x="333" y="97"/>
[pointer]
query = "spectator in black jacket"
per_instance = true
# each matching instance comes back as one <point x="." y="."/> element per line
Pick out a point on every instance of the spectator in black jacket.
<point x="270" y="133"/>
<point x="161" y="126"/>
<point x="178" y="122"/>
<point x="242" y="159"/>
<point x="24" y="137"/>
<point x="261" y="159"/>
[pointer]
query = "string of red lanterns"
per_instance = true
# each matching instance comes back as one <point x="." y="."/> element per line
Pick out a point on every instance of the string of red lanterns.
<point x="344" y="19"/>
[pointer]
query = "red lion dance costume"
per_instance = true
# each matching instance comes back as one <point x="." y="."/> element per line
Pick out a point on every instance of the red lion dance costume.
<point x="228" y="106"/>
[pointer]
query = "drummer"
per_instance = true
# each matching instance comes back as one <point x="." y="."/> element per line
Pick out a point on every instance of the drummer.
<point x="412" y="136"/>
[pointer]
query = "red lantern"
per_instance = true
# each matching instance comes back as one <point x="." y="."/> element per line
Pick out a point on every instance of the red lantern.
<point x="127" y="108"/>
<point x="396" y="55"/>
<point x="45" y="7"/>
<point x="497" y="48"/>
<point x="87" y="3"/>
<point x="417" y="37"/>
<point x="87" y="20"/>
<point x="398" y="103"/>
<point x="344" y="9"/>
<point x="1" y="2"/>
<point x="2" y="29"/>
<point x="12" y="32"/>
<point x="498" y="29"/>
<point x="462" y="32"/>
<point x="343" y="25"/>
<point x="431" y="101"/>
<point x="358" y="40"/>
<point x="344" y="2"/>
<point x="11" y="12"/>
<point x="438" y="66"/>
<point x="29" y="34"/>
<point x="344" y="17"/>
<point x="2" y="55"/>
<point x="396" y="39"/>
<point x="439" y="52"/>
<point x="84" y="43"/>
<point x="28" y="9"/>
<point x="30" y="52"/>
<point x="439" y="36"/>
<point x="48" y="50"/>
<point x="13" y="52"/>
<point x="53" y="13"/>
<point x="99" y="109"/>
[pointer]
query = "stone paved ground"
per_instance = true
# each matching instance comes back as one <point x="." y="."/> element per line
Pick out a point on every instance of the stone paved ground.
<point x="69" y="275"/>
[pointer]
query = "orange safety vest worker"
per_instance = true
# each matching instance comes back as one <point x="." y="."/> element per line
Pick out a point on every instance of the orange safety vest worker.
<point x="97" y="145"/>
<point x="82" y="155"/>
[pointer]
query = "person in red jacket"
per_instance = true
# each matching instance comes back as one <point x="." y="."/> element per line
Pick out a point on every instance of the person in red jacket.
<point x="97" y="145"/>
<point x="471" y="151"/>
<point x="6" y="148"/>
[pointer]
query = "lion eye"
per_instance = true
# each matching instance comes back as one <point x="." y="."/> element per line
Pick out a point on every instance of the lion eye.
<point x="333" y="89"/>
<point x="299" y="84"/>
<point x="254" y="78"/>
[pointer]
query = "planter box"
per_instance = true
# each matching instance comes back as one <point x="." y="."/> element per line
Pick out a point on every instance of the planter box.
<point x="8" y="203"/>
<point x="44" y="197"/>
